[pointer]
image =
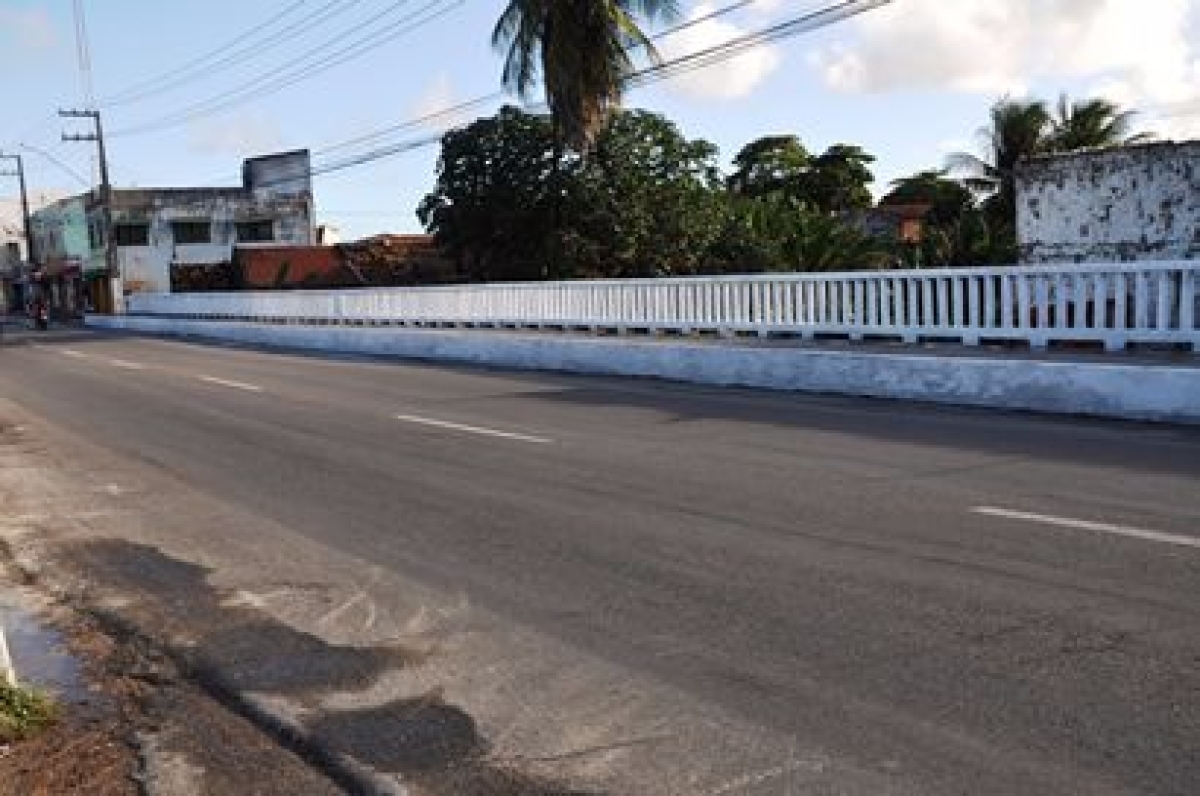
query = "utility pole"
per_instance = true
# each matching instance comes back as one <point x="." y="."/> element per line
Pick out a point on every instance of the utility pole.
<point x="20" y="175"/>
<point x="110" y="248"/>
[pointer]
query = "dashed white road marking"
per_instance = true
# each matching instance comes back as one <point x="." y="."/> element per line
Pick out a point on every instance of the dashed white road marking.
<point x="73" y="353"/>
<point x="126" y="364"/>
<point x="487" y="432"/>
<point x="1088" y="525"/>
<point x="236" y="385"/>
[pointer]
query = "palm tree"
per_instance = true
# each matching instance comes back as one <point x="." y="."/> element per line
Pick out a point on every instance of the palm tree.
<point x="1018" y="130"/>
<point x="581" y="50"/>
<point x="1091" y="124"/>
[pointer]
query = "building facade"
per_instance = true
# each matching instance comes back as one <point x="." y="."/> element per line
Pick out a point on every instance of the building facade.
<point x="155" y="230"/>
<point x="1126" y="203"/>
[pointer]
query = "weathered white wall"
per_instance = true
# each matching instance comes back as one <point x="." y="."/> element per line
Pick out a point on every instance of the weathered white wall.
<point x="147" y="269"/>
<point x="1128" y="203"/>
<point x="1087" y="388"/>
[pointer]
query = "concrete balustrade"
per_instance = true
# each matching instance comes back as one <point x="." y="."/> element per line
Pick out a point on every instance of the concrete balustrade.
<point x="1117" y="304"/>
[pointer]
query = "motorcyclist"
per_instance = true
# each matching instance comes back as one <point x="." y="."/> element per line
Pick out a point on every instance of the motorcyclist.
<point x="41" y="314"/>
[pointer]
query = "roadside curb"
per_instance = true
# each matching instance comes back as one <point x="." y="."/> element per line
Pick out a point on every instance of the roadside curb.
<point x="1145" y="392"/>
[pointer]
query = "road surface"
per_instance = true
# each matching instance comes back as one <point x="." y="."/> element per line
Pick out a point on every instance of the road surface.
<point x="913" y="599"/>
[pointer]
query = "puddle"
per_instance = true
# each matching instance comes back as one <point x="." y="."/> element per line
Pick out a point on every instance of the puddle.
<point x="38" y="651"/>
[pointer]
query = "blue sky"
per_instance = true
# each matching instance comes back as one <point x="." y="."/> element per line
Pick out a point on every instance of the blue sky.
<point x="908" y="82"/>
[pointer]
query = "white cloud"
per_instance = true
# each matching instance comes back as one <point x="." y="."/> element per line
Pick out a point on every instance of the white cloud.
<point x="725" y="80"/>
<point x="436" y="100"/>
<point x="27" y="29"/>
<point x="244" y="135"/>
<point x="1141" y="52"/>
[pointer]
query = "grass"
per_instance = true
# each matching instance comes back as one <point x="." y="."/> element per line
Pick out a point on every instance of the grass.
<point x="24" y="712"/>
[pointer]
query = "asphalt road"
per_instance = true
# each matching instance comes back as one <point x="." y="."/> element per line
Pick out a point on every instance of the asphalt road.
<point x="960" y="601"/>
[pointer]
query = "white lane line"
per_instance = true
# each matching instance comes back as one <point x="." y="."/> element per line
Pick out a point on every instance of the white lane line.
<point x="71" y="352"/>
<point x="487" y="432"/>
<point x="1087" y="525"/>
<point x="237" y="385"/>
<point x="126" y="364"/>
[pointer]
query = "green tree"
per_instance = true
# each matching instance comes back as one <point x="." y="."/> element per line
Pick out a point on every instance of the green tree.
<point x="1018" y="130"/>
<point x="838" y="180"/>
<point x="779" y="233"/>
<point x="581" y="51"/>
<point x="972" y="239"/>
<point x="768" y="165"/>
<point x="645" y="202"/>
<point x="835" y="181"/>
<point x="1022" y="129"/>
<point x="492" y="206"/>
<point x="1091" y="124"/>
<point x="948" y="199"/>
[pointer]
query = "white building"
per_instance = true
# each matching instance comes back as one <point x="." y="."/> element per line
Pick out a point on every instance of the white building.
<point x="156" y="229"/>
<point x="1127" y="203"/>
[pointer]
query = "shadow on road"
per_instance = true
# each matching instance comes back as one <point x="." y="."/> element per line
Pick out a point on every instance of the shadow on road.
<point x="1132" y="445"/>
<point x="238" y="651"/>
<point x="1077" y="440"/>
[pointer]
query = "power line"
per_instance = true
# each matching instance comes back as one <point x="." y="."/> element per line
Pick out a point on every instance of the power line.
<point x="147" y="87"/>
<point x="709" y="56"/>
<point x="83" y="54"/>
<point x="700" y="20"/>
<point x="229" y="55"/>
<point x="809" y="21"/>
<point x="57" y="162"/>
<point x="821" y="17"/>
<point x="455" y="110"/>
<point x="452" y="111"/>
<point x="294" y="72"/>
<point x="245" y="93"/>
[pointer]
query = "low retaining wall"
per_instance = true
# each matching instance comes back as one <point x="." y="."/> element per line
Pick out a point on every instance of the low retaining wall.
<point x="1142" y="392"/>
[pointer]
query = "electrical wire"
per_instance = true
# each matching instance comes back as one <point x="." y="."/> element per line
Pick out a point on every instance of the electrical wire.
<point x="709" y="56"/>
<point x="289" y="74"/>
<point x="455" y="110"/>
<point x="239" y="96"/>
<point x="732" y="48"/>
<point x="229" y="55"/>
<point x="57" y="162"/>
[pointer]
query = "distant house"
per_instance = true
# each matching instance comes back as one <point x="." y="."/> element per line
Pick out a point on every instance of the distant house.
<point x="901" y="223"/>
<point x="156" y="230"/>
<point x="1126" y="203"/>
<point x="11" y="260"/>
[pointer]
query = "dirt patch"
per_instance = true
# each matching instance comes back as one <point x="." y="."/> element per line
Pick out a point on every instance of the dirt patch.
<point x="91" y="748"/>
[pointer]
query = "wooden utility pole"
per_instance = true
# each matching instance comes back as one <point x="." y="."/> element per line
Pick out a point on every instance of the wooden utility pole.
<point x="110" y="246"/>
<point x="20" y="175"/>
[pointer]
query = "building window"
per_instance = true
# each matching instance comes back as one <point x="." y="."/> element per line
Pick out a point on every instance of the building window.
<point x="96" y="235"/>
<point x="186" y="232"/>
<point x="132" y="234"/>
<point x="256" y="231"/>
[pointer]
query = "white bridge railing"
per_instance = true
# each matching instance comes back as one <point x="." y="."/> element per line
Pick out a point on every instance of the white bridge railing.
<point x="1116" y="304"/>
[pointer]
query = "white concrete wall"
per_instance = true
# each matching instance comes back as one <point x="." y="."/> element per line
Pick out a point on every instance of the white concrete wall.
<point x="1109" y="390"/>
<point x="1130" y="203"/>
<point x="147" y="269"/>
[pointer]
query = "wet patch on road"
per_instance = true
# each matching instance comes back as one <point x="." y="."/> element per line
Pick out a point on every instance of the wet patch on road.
<point x="433" y="745"/>
<point x="244" y="648"/>
<point x="234" y="651"/>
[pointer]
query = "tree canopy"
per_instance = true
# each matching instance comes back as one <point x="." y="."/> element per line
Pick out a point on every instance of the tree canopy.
<point x="512" y="203"/>
<point x="771" y="164"/>
<point x="643" y="204"/>
<point x="1022" y="129"/>
<point x="582" y="52"/>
